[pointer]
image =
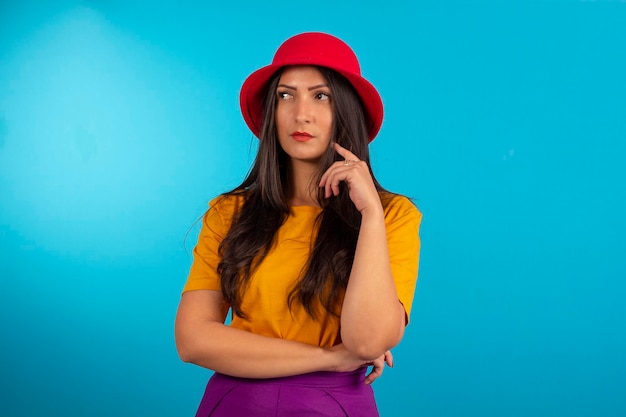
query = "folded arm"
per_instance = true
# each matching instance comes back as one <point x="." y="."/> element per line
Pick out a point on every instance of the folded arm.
<point x="372" y="317"/>
<point x="203" y="339"/>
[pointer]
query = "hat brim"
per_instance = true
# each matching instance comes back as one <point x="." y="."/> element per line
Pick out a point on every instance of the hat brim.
<point x="252" y="95"/>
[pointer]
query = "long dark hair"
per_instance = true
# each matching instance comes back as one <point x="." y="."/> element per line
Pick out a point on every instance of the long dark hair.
<point x="248" y="241"/>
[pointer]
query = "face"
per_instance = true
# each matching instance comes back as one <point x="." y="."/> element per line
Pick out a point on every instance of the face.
<point x="304" y="113"/>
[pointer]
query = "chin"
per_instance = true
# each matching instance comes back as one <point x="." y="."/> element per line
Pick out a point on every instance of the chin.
<point x="305" y="156"/>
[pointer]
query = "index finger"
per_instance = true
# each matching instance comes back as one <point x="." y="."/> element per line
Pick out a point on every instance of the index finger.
<point x="344" y="152"/>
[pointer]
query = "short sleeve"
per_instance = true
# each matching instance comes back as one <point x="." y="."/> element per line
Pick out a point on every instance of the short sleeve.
<point x="402" y="221"/>
<point x="216" y="222"/>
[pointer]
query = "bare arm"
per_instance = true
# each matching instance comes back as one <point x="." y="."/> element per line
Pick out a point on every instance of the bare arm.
<point x="203" y="339"/>
<point x="372" y="317"/>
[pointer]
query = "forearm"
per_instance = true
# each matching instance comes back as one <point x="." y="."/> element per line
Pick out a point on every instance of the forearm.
<point x="240" y="353"/>
<point x="372" y="318"/>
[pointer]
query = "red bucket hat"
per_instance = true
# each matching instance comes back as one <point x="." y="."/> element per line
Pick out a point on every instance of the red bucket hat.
<point x="312" y="48"/>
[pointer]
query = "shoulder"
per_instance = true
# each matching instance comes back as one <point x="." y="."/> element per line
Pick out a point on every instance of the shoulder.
<point x="227" y="204"/>
<point x="223" y="208"/>
<point x="398" y="206"/>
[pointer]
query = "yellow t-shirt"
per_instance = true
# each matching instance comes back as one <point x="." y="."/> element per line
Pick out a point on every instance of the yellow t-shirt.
<point x="265" y="300"/>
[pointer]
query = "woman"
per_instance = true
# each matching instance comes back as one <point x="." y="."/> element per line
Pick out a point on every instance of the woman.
<point x="315" y="260"/>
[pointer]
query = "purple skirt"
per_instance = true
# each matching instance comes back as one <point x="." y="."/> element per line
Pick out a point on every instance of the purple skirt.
<point x="316" y="394"/>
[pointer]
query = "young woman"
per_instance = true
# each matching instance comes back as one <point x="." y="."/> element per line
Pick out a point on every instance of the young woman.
<point x="316" y="261"/>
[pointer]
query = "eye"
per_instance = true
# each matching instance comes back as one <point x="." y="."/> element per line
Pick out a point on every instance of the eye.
<point x="322" y="96"/>
<point x="283" y="95"/>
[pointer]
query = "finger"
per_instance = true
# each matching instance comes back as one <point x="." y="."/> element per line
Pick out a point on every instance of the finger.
<point x="335" y="186"/>
<point x="344" y="152"/>
<point x="325" y="182"/>
<point x="337" y="167"/>
<point x="328" y="189"/>
<point x="331" y="183"/>
<point x="389" y="358"/>
<point x="331" y="169"/>
<point x="373" y="375"/>
<point x="377" y="370"/>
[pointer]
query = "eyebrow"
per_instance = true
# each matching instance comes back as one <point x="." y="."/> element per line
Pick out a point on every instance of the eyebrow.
<point x="310" y="88"/>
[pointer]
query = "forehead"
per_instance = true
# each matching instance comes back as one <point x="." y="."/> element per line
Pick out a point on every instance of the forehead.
<point x="301" y="75"/>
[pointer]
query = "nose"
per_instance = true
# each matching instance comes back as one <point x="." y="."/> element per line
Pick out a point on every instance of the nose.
<point x="303" y="111"/>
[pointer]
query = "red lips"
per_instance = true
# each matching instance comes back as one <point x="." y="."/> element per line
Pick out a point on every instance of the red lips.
<point x="301" y="136"/>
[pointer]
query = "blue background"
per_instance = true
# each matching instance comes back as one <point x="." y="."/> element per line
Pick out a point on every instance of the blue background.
<point x="505" y="122"/>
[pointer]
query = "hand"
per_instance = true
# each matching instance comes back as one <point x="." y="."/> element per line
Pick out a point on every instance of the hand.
<point x="346" y="362"/>
<point x="356" y="175"/>
<point x="378" y="366"/>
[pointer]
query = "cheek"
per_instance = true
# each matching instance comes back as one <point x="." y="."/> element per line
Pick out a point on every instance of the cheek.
<point x="279" y="117"/>
<point x="280" y="122"/>
<point x="328" y="120"/>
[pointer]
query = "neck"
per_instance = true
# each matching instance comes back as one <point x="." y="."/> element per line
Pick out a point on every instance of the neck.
<point x="303" y="183"/>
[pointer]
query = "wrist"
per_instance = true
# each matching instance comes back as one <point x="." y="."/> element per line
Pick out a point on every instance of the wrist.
<point x="373" y="214"/>
<point x="332" y="359"/>
<point x="371" y="206"/>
